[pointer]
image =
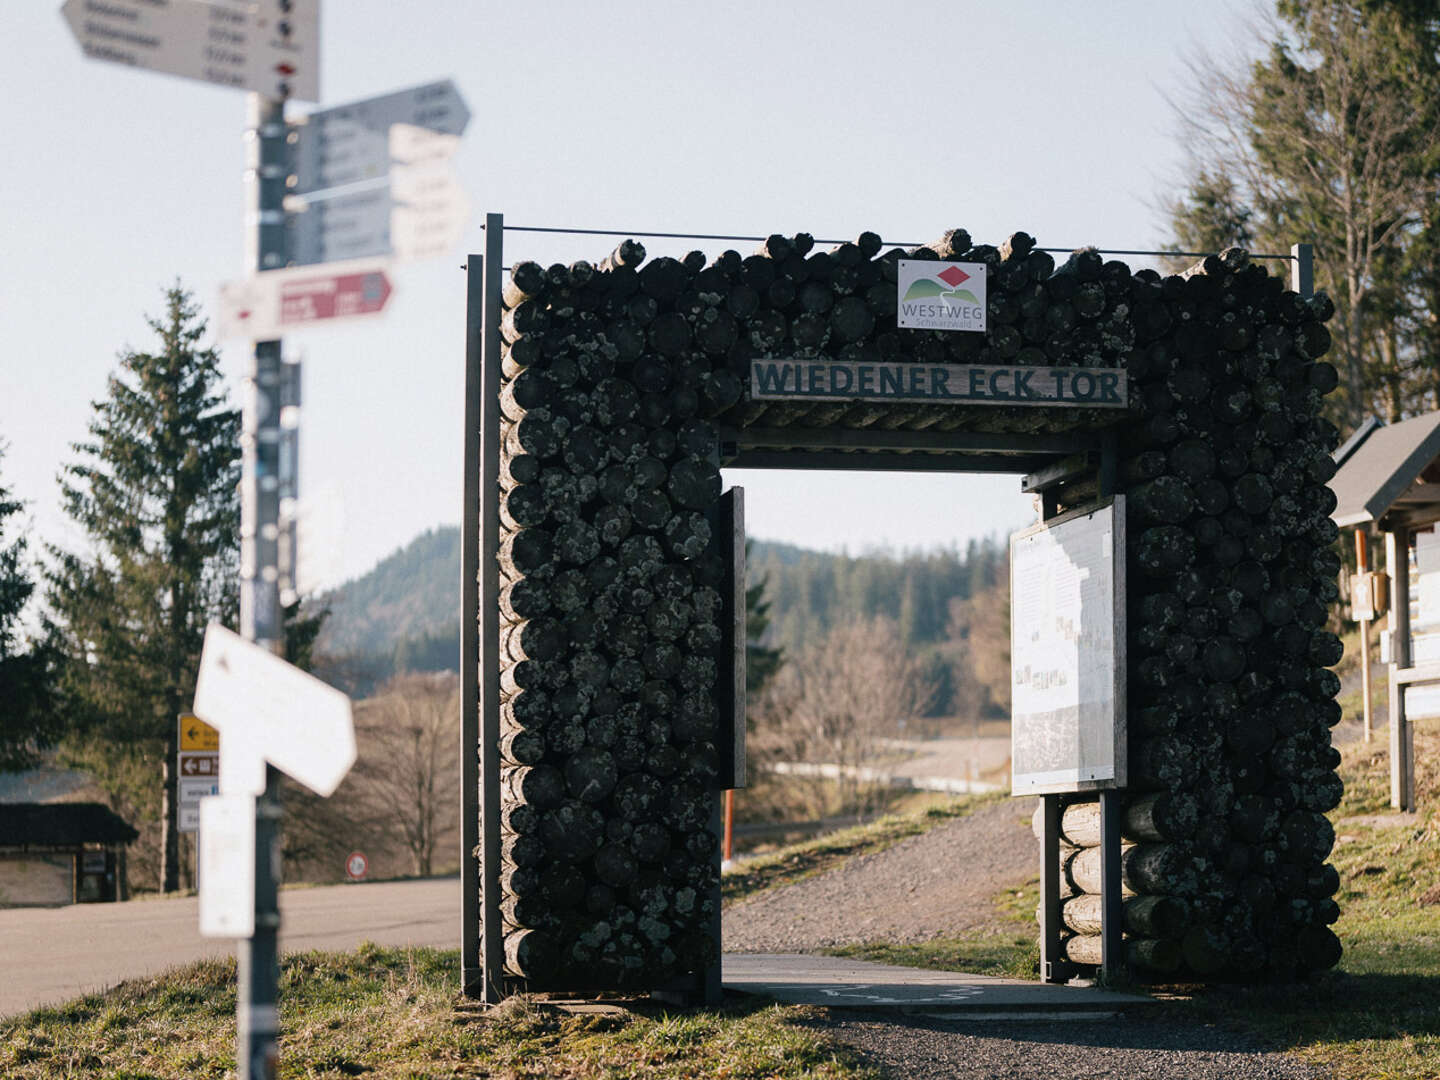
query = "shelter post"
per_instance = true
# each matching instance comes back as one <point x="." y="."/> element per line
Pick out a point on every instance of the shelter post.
<point x="1362" y="570"/>
<point x="1397" y="562"/>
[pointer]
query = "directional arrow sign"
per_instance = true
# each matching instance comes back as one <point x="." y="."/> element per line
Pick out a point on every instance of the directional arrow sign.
<point x="351" y="226"/>
<point x="269" y="46"/>
<point x="276" y="302"/>
<point x="351" y="143"/>
<point x="268" y="710"/>
<point x="199" y="765"/>
<point x="195" y="734"/>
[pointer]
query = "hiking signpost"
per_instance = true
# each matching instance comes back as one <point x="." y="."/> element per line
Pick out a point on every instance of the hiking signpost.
<point x="271" y="715"/>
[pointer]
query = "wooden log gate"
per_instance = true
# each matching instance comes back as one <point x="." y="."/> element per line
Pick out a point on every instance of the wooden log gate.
<point x="603" y="582"/>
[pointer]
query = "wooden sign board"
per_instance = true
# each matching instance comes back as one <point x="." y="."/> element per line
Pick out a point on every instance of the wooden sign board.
<point x="1067" y="652"/>
<point x="938" y="384"/>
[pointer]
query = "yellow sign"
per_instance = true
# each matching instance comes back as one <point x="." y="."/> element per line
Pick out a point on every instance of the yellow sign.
<point x="195" y="734"/>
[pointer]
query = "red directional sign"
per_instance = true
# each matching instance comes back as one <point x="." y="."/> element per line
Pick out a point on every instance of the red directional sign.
<point x="332" y="296"/>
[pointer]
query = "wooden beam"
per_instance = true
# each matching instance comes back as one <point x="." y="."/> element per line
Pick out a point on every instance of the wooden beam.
<point x="870" y="439"/>
<point x="1402" y="770"/>
<point x="841" y="461"/>
<point x="1068" y="468"/>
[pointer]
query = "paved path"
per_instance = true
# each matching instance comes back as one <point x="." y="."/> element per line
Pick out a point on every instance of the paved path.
<point x="840" y="983"/>
<point x="54" y="954"/>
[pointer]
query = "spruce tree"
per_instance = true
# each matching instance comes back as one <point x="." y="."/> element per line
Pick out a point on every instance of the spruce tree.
<point x="27" y="716"/>
<point x="155" y="491"/>
<point x="761" y="660"/>
<point x="1333" y="137"/>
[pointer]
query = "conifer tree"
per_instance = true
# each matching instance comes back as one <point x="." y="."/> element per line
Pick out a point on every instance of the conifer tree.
<point x="155" y="491"/>
<point x="761" y="661"/>
<point x="1332" y="138"/>
<point x="27" y="715"/>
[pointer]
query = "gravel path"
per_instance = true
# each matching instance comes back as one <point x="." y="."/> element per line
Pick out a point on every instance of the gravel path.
<point x="943" y="883"/>
<point x="920" y="1048"/>
<point x="936" y="884"/>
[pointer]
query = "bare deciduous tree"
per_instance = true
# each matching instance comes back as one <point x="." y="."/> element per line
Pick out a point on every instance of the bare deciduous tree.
<point x="401" y="799"/>
<point x="407" y="775"/>
<point x="834" y="702"/>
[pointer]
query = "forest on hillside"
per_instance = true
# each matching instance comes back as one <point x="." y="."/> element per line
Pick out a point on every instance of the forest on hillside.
<point x="811" y="591"/>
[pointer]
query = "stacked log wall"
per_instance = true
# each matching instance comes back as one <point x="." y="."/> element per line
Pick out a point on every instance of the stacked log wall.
<point x="1232" y="568"/>
<point x="616" y="376"/>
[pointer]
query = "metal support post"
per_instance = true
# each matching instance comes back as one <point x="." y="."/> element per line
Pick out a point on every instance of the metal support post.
<point x="1112" y="910"/>
<point x="1053" y="966"/>
<point x="493" y="938"/>
<point x="1302" y="269"/>
<point x="1402" y="767"/>
<point x="1362" y="571"/>
<point x="470" y="970"/>
<point x="1109" y="474"/>
<point x="257" y="1014"/>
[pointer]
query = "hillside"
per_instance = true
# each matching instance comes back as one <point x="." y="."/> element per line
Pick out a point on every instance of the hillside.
<point x="410" y="596"/>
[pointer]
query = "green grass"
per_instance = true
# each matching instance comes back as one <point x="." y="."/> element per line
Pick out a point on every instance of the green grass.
<point x="1377" y="1016"/>
<point x="810" y="857"/>
<point x="382" y="1013"/>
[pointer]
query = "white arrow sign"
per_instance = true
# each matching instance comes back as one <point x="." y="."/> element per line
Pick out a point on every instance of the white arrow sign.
<point x="351" y="143"/>
<point x="269" y="46"/>
<point x="268" y="710"/>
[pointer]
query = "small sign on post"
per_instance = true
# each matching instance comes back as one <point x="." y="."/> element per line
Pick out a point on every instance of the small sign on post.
<point x="197" y="769"/>
<point x="278" y="302"/>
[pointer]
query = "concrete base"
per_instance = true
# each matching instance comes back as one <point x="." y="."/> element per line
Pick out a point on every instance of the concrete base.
<point x="839" y="983"/>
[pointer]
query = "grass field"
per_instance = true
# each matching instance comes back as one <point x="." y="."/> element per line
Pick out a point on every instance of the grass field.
<point x="396" y="1013"/>
<point x="392" y="1013"/>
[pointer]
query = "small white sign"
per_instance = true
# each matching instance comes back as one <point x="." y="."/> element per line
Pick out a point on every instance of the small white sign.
<point x="192" y="791"/>
<point x="357" y="866"/>
<point x="227" y="866"/>
<point x="269" y="710"/>
<point x="940" y="295"/>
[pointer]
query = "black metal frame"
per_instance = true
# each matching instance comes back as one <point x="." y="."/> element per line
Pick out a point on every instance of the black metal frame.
<point x="1049" y="460"/>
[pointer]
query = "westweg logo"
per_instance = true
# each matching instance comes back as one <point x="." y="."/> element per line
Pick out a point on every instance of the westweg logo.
<point x="941" y="296"/>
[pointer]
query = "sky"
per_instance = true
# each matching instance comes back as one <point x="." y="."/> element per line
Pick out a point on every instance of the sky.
<point x="830" y="117"/>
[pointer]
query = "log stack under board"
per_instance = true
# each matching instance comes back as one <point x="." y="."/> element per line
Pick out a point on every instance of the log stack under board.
<point x="616" y="379"/>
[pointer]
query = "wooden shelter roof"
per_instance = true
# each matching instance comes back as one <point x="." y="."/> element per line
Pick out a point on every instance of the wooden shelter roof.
<point x="61" y="825"/>
<point x="1389" y="474"/>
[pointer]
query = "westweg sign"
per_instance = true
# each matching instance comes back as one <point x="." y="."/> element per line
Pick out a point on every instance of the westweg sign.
<point x="829" y="380"/>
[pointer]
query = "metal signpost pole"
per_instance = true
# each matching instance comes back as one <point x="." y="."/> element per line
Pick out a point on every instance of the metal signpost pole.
<point x="492" y="958"/>
<point x="471" y="971"/>
<point x="257" y="1015"/>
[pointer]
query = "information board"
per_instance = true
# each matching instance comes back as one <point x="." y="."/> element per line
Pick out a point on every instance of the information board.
<point x="1067" y="652"/>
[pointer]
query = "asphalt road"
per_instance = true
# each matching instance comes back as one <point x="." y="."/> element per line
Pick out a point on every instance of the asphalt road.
<point x="50" y="955"/>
